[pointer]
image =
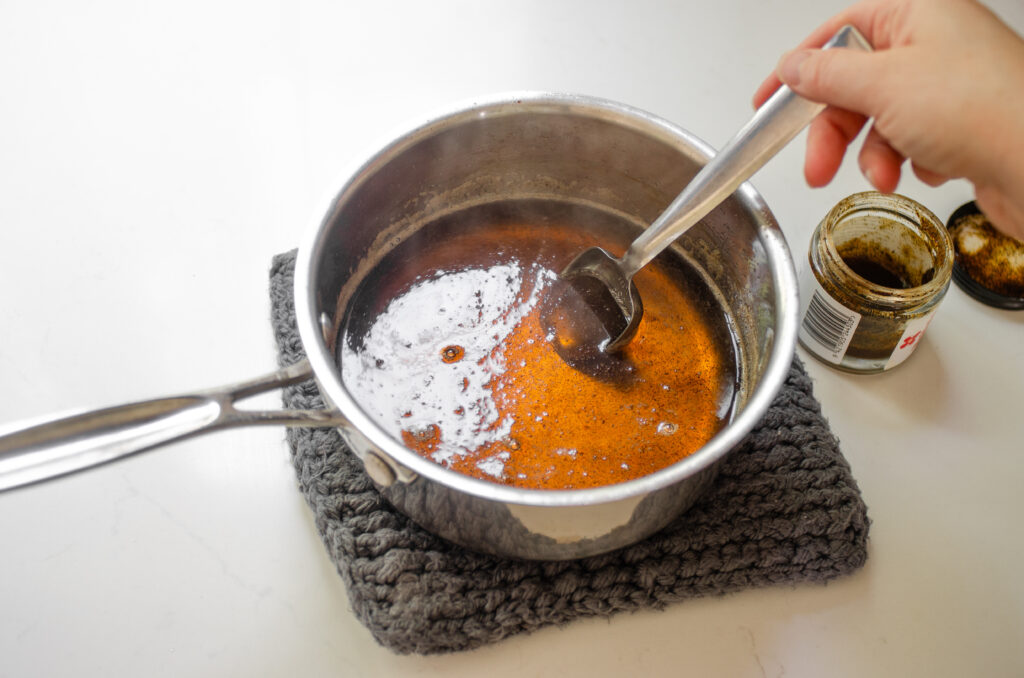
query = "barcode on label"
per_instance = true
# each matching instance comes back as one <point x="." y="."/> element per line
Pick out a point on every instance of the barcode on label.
<point x="828" y="325"/>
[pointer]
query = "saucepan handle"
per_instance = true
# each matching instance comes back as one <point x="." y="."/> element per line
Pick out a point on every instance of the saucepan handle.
<point x="74" y="443"/>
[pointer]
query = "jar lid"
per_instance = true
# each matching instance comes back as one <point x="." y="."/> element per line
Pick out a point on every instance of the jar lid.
<point x="988" y="266"/>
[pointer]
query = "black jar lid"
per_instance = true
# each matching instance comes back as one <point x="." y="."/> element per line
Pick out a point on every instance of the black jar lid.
<point x="963" y="278"/>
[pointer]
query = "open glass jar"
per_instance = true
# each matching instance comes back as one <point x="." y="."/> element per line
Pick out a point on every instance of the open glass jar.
<point x="878" y="266"/>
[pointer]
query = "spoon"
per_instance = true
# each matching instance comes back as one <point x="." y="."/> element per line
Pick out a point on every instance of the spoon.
<point x="603" y="308"/>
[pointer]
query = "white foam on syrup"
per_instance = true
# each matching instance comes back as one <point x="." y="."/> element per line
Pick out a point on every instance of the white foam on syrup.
<point x="398" y="375"/>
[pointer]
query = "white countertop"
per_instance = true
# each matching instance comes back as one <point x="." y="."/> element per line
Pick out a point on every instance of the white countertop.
<point x="153" y="157"/>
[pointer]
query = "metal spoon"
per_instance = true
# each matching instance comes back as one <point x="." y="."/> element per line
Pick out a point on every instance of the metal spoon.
<point x="605" y="284"/>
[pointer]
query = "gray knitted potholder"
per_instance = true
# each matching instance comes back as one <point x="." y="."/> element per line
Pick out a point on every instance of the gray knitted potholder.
<point x="783" y="509"/>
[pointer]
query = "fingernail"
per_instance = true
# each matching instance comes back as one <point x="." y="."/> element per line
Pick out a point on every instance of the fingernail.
<point x="789" y="66"/>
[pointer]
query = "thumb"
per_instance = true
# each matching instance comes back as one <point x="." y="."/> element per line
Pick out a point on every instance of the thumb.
<point x="839" y="77"/>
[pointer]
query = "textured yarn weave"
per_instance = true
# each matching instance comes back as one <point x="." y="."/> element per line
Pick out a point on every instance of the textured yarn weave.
<point x="783" y="509"/>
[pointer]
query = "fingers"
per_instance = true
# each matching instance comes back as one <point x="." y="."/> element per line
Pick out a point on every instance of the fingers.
<point x="927" y="176"/>
<point x="766" y="89"/>
<point x="827" y="138"/>
<point x="880" y="162"/>
<point x="870" y="17"/>
<point x="855" y="85"/>
<point x="873" y="18"/>
<point x="849" y="82"/>
<point x="839" y="77"/>
<point x="860" y="15"/>
<point x="1004" y="213"/>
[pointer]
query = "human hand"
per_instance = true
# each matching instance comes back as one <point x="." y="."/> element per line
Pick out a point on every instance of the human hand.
<point x="944" y="87"/>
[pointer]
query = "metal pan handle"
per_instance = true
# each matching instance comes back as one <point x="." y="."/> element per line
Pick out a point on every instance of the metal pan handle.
<point x="81" y="441"/>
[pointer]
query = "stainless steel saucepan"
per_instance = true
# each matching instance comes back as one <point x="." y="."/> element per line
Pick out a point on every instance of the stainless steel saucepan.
<point x="571" y="149"/>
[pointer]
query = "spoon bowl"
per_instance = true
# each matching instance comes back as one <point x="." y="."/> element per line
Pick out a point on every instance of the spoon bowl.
<point x="597" y="282"/>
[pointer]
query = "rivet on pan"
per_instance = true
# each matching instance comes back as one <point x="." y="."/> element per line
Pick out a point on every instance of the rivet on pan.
<point x="326" y="328"/>
<point x="378" y="470"/>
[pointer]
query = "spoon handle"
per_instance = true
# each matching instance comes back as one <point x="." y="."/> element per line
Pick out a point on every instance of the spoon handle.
<point x="773" y="126"/>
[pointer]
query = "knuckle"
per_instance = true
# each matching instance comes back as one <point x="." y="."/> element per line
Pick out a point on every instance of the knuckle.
<point x="816" y="73"/>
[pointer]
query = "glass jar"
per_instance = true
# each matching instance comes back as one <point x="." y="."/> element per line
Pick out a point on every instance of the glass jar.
<point x="878" y="266"/>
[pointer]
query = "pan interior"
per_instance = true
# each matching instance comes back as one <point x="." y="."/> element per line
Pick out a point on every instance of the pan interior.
<point x="441" y="345"/>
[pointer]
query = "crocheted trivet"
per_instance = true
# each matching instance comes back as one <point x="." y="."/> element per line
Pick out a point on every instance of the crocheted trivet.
<point x="783" y="509"/>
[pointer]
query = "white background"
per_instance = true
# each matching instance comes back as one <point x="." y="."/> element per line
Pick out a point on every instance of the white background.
<point x="154" y="156"/>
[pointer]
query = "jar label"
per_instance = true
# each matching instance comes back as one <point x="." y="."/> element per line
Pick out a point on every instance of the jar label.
<point x="826" y="326"/>
<point x="910" y="339"/>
